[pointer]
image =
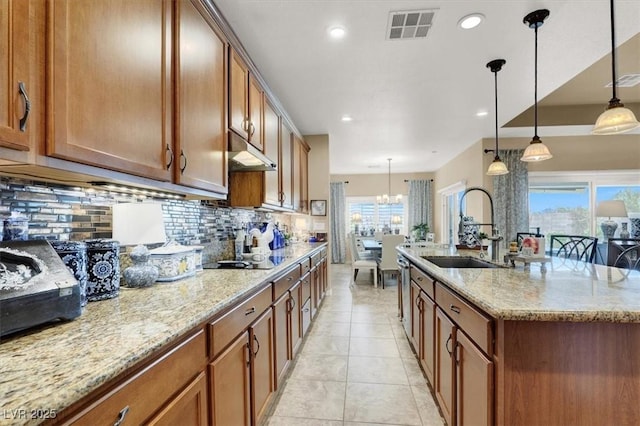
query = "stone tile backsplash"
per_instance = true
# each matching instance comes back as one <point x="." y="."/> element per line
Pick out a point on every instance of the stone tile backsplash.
<point x="58" y="212"/>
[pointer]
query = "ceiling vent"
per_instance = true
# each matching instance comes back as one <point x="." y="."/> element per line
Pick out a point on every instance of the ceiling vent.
<point x="628" y="80"/>
<point x="411" y="24"/>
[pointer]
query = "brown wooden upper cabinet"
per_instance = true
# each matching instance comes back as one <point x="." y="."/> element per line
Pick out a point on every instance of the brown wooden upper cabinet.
<point x="272" y="180"/>
<point x="300" y="157"/>
<point x="200" y="154"/>
<point x="245" y="102"/>
<point x="109" y="79"/>
<point x="286" y="165"/>
<point x="17" y="62"/>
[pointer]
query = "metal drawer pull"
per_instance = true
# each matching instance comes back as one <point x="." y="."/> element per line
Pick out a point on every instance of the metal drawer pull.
<point x="121" y="415"/>
<point x="27" y="107"/>
<point x="170" y="157"/>
<point x="250" y="311"/>
<point x="454" y="308"/>
<point x="419" y="278"/>
<point x="182" y="156"/>
<point x="446" y="345"/>
<point x="289" y="278"/>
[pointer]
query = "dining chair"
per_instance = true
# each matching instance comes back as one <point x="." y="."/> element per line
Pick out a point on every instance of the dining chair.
<point x="357" y="262"/>
<point x="388" y="260"/>
<point x="576" y="247"/>
<point x="624" y="253"/>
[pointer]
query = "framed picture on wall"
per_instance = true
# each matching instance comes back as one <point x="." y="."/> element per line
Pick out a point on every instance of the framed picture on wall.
<point x="318" y="207"/>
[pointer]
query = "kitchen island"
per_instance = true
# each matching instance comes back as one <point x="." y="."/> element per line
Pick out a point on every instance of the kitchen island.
<point x="47" y="370"/>
<point x="512" y="347"/>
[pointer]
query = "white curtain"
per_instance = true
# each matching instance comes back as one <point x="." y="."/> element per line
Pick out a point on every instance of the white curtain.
<point x="511" y="196"/>
<point x="420" y="203"/>
<point x="337" y="221"/>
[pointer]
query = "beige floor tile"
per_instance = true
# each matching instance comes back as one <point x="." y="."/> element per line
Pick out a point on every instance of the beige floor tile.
<point x="377" y="370"/>
<point x="371" y="330"/>
<point x="331" y="328"/>
<point x="297" y="421"/>
<point x="427" y="408"/>
<point x="333" y="316"/>
<point x="404" y="348"/>
<point x="325" y="345"/>
<point x="369" y="318"/>
<point x="370" y="424"/>
<point x="381" y="404"/>
<point x="371" y="346"/>
<point x="312" y="399"/>
<point x="414" y="372"/>
<point x="321" y="367"/>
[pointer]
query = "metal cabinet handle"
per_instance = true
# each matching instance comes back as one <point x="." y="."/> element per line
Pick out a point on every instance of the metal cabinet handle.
<point x="182" y="156"/>
<point x="250" y="311"/>
<point x="446" y="345"/>
<point x="121" y="415"/>
<point x="289" y="278"/>
<point x="419" y="278"/>
<point x="252" y="129"/>
<point x="170" y="156"/>
<point x="249" y="354"/>
<point x="454" y="308"/>
<point x="27" y="107"/>
<point x="255" y="339"/>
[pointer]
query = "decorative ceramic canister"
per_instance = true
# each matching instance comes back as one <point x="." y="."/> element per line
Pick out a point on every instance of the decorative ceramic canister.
<point x="635" y="227"/>
<point x="103" y="269"/>
<point x="74" y="256"/>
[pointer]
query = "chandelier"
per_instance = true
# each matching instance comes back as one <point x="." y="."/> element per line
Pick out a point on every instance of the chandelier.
<point x="385" y="198"/>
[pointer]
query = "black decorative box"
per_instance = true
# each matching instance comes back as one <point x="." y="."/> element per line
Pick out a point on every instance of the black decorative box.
<point x="35" y="286"/>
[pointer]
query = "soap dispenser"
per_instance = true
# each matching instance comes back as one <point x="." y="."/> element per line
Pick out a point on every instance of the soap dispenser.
<point x="541" y="243"/>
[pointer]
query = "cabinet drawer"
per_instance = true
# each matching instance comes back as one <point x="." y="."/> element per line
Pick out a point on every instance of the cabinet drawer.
<point x="148" y="390"/>
<point x="305" y="266"/>
<point x="315" y="259"/>
<point x="284" y="283"/>
<point x="423" y="280"/>
<point x="306" y="288"/>
<point x="225" y="329"/>
<point x="474" y="323"/>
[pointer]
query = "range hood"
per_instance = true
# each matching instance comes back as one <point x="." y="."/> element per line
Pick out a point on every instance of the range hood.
<point x="245" y="157"/>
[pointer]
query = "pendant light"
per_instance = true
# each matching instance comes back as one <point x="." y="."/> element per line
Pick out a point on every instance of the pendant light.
<point x="497" y="167"/>
<point x="616" y="118"/>
<point x="536" y="151"/>
<point x="385" y="198"/>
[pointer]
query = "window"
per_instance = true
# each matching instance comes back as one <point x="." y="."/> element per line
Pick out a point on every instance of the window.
<point x="565" y="203"/>
<point x="364" y="214"/>
<point x="451" y="212"/>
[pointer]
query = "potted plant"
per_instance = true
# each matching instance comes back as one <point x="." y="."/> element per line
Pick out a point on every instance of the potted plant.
<point x="420" y="231"/>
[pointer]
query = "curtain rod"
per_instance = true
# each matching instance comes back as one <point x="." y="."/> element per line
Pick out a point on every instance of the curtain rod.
<point x="407" y="180"/>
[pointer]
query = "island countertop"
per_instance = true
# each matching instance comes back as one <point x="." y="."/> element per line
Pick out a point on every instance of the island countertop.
<point x="52" y="367"/>
<point x="568" y="291"/>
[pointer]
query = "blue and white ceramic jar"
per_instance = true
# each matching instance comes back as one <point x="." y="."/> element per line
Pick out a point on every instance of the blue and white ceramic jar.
<point x="103" y="269"/>
<point x="74" y="256"/>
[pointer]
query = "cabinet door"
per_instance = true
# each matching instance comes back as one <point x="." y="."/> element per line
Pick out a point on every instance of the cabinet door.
<point x="444" y="386"/>
<point x="281" y="336"/>
<point x="189" y="408"/>
<point x="295" y="323"/>
<point x="18" y="33"/>
<point x="286" y="164"/>
<point x="230" y="385"/>
<point x="416" y="307"/>
<point x="272" y="150"/>
<point x="474" y="384"/>
<point x="255" y="113"/>
<point x="200" y="150"/>
<point x="109" y="79"/>
<point x="427" y="335"/>
<point x="315" y="291"/>
<point x="262" y="362"/>
<point x="238" y="96"/>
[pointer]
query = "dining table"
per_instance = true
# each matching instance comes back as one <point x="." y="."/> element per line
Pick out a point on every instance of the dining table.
<point x="373" y="246"/>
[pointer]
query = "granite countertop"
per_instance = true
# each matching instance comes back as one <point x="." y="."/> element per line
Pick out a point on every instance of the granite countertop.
<point x="568" y="291"/>
<point x="53" y="367"/>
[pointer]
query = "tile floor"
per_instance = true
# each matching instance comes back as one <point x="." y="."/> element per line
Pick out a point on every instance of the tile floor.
<point x="356" y="366"/>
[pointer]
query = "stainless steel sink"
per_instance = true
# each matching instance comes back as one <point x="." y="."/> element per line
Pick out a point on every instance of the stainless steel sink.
<point x="459" y="262"/>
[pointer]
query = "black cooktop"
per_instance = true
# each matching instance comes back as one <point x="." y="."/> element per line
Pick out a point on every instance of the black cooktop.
<point x="269" y="263"/>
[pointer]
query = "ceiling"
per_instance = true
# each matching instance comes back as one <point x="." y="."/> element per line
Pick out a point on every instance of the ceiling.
<point x="415" y="101"/>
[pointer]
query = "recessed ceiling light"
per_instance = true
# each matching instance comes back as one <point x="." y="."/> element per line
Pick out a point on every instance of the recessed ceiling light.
<point x="347" y="118"/>
<point x="482" y="114"/>
<point x="471" y="21"/>
<point x="337" y="32"/>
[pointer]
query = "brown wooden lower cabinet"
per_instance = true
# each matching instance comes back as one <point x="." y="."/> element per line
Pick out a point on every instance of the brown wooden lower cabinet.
<point x="415" y="316"/>
<point x="427" y="335"/>
<point x="262" y="365"/>
<point x="474" y="384"/>
<point x="230" y="398"/>
<point x="189" y="408"/>
<point x="281" y="337"/>
<point x="295" y="315"/>
<point x="444" y="380"/>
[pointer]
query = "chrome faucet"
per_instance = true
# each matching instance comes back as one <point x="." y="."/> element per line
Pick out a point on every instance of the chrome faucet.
<point x="495" y="235"/>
